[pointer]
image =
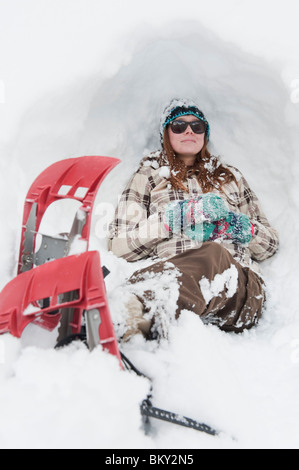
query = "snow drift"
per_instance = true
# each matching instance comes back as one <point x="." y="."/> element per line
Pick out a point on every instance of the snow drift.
<point x="246" y="385"/>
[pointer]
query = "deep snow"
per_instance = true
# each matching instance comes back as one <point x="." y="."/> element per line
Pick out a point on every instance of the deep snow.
<point x="246" y="385"/>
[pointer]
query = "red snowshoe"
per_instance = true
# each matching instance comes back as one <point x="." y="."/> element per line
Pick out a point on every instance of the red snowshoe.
<point x="52" y="287"/>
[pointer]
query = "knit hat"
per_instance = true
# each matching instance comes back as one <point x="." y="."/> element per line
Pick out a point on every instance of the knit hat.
<point x="181" y="107"/>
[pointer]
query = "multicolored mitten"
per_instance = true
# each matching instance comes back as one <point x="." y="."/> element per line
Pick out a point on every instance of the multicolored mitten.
<point x="185" y="215"/>
<point x="206" y="208"/>
<point x="207" y="219"/>
<point x="235" y="227"/>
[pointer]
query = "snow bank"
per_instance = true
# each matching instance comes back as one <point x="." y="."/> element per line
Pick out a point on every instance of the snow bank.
<point x="68" y="398"/>
<point x="245" y="385"/>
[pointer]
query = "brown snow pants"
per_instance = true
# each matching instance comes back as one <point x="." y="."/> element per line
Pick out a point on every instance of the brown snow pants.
<point x="232" y="303"/>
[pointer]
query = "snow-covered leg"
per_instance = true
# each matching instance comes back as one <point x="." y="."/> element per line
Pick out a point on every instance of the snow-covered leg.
<point x="135" y="323"/>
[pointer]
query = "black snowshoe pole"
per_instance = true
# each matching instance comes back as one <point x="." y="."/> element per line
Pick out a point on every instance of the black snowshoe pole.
<point x="149" y="411"/>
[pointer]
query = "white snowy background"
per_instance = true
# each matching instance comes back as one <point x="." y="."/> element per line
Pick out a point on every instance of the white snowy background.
<point x="90" y="77"/>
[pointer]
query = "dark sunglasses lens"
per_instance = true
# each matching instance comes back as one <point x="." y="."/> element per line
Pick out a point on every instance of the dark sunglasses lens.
<point x="178" y="127"/>
<point x="198" y="127"/>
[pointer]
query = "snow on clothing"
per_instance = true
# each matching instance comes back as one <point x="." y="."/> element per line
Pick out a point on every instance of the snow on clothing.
<point x="212" y="285"/>
<point x="138" y="230"/>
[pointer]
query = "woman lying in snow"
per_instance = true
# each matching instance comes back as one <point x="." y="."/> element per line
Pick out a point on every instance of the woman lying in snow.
<point x="196" y="217"/>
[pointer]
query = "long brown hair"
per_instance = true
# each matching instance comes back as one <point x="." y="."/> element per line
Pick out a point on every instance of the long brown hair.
<point x="209" y="171"/>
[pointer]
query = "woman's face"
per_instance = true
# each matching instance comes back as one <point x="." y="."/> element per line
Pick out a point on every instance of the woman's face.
<point x="188" y="144"/>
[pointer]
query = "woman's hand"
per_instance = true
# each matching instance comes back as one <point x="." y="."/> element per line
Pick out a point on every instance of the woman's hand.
<point x="180" y="215"/>
<point x="206" y="208"/>
<point x="206" y="218"/>
<point x="235" y="227"/>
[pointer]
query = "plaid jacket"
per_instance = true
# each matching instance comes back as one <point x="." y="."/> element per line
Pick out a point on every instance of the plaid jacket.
<point x="138" y="231"/>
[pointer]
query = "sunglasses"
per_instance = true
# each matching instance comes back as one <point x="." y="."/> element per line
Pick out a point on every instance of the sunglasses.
<point x="178" y="127"/>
